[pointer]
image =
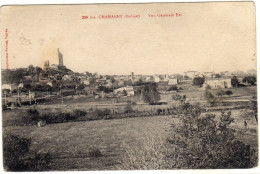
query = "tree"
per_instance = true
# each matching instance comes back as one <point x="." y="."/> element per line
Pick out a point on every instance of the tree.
<point x="81" y="86"/>
<point x="211" y="98"/>
<point x="249" y="79"/>
<point x="198" y="81"/>
<point x="205" y="141"/>
<point x="124" y="92"/>
<point x="229" y="93"/>
<point x="234" y="81"/>
<point x="150" y="93"/>
<point x="251" y="111"/>
<point x="217" y="75"/>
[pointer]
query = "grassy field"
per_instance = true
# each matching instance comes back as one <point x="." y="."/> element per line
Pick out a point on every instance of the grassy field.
<point x="70" y="143"/>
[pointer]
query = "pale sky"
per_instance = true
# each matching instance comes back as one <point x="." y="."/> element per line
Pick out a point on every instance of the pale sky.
<point x="207" y="37"/>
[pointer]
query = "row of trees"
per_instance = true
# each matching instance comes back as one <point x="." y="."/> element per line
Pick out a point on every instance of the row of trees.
<point x="199" y="81"/>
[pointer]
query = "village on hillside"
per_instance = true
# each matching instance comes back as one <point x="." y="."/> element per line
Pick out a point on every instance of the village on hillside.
<point x="28" y="86"/>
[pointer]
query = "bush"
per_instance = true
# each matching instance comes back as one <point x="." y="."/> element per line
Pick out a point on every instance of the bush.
<point x="101" y="113"/>
<point x="150" y="93"/>
<point x="207" y="87"/>
<point x="129" y="108"/>
<point x="14" y="150"/>
<point x="79" y="113"/>
<point x="173" y="88"/>
<point x="18" y="158"/>
<point x="205" y="142"/>
<point x="94" y="152"/>
<point x="250" y="79"/>
<point x="234" y="82"/>
<point x="31" y="117"/>
<point x="211" y="98"/>
<point x="228" y="92"/>
<point x="198" y="81"/>
<point x="196" y="142"/>
<point x="159" y="111"/>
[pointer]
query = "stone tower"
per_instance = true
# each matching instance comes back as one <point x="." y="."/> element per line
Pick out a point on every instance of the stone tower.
<point x="60" y="58"/>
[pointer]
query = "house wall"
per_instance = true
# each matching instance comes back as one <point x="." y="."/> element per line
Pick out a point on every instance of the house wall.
<point x="218" y="83"/>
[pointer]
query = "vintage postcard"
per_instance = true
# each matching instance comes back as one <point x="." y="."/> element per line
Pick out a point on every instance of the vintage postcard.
<point x="152" y="86"/>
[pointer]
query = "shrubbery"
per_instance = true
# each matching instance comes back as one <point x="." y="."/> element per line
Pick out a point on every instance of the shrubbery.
<point x="173" y="88"/>
<point x="198" y="81"/>
<point x="17" y="155"/>
<point x="196" y="142"/>
<point x="94" y="152"/>
<point x="129" y="108"/>
<point x="211" y="98"/>
<point x="205" y="142"/>
<point x="150" y="93"/>
<point x="250" y="79"/>
<point x="99" y="113"/>
<point x="31" y="117"/>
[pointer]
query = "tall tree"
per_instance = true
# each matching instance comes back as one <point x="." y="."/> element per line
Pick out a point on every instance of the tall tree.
<point x="234" y="81"/>
<point x="150" y="93"/>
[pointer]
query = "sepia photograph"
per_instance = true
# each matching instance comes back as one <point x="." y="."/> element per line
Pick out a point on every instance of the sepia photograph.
<point x="137" y="86"/>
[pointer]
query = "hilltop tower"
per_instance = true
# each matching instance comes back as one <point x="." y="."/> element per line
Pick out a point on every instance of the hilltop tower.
<point x="60" y="58"/>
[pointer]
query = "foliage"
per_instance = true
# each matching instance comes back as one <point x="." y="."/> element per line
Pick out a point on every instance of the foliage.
<point x="207" y="87"/>
<point x="79" y="113"/>
<point x="217" y="75"/>
<point x="178" y="97"/>
<point x="150" y="93"/>
<point x="14" y="150"/>
<point x="211" y="98"/>
<point x="207" y="142"/>
<point x="198" y="141"/>
<point x="101" y="113"/>
<point x="198" y="81"/>
<point x="247" y="114"/>
<point x="124" y="92"/>
<point x="234" y="82"/>
<point x="94" y="152"/>
<point x="41" y="87"/>
<point x="173" y="88"/>
<point x="105" y="89"/>
<point x="17" y="155"/>
<point x="249" y="79"/>
<point x="31" y="117"/>
<point x="228" y="92"/>
<point x="129" y="108"/>
<point x="81" y="86"/>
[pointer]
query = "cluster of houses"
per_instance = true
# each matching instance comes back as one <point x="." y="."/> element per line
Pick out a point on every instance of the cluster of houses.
<point x="117" y="85"/>
<point x="122" y="81"/>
